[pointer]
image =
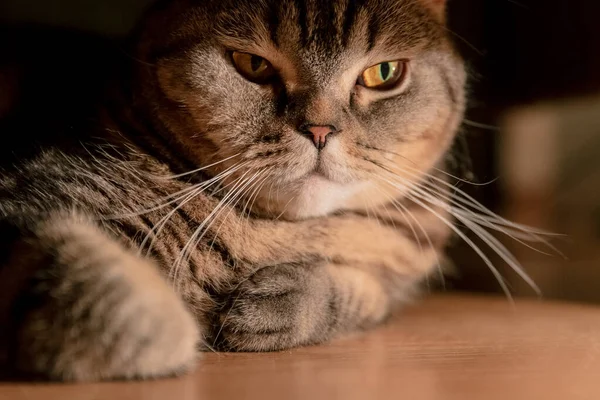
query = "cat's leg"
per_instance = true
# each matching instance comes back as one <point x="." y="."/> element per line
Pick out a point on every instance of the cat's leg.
<point x="77" y="305"/>
<point x="378" y="266"/>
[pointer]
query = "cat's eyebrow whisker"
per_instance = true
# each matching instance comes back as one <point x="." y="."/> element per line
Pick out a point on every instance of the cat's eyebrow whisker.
<point x="462" y="39"/>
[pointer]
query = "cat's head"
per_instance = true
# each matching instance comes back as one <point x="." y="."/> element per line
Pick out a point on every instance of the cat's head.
<point x="315" y="105"/>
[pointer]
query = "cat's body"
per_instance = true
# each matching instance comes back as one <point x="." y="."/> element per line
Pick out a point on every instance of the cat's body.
<point x="117" y="261"/>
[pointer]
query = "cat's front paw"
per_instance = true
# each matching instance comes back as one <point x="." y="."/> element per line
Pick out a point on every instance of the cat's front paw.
<point x="102" y="320"/>
<point x="278" y="307"/>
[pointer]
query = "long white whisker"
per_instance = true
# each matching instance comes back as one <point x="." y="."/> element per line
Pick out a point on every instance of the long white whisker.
<point x="519" y="234"/>
<point x="198" y="169"/>
<point x="158" y="227"/>
<point x="467" y="240"/>
<point x="251" y="183"/>
<point x="417" y="194"/>
<point x="255" y="195"/>
<point x="469" y="200"/>
<point x="194" y="239"/>
<point x="230" y="201"/>
<point x="459" y="209"/>
<point x="405" y="212"/>
<point x="450" y="225"/>
<point x="502" y="251"/>
<point x="176" y="197"/>
<point x="490" y="240"/>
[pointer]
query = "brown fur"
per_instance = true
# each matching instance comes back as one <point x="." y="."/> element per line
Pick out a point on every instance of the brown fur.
<point x="290" y="246"/>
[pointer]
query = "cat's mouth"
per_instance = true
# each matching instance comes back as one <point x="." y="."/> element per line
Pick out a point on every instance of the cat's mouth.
<point x="319" y="171"/>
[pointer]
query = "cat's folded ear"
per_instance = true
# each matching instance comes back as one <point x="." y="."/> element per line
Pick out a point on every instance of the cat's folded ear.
<point x="438" y="8"/>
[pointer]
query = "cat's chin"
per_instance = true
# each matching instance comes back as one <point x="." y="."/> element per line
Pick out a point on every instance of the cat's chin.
<point x="312" y="196"/>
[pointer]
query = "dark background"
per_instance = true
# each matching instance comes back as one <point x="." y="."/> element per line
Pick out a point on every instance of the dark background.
<point x="519" y="53"/>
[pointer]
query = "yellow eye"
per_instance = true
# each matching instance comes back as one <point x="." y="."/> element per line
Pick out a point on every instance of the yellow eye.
<point x="254" y="68"/>
<point x="383" y="76"/>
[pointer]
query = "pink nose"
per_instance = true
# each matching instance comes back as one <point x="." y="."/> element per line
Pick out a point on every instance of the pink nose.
<point x="319" y="134"/>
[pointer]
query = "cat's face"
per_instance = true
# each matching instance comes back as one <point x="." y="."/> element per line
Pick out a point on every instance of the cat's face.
<point x="318" y="102"/>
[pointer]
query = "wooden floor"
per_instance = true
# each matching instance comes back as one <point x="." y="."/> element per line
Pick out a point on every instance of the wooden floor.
<point x="445" y="347"/>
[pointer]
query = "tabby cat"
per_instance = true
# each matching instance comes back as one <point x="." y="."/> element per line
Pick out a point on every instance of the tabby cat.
<point x="264" y="174"/>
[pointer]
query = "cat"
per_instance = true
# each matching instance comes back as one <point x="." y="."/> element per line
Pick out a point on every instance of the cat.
<point x="258" y="177"/>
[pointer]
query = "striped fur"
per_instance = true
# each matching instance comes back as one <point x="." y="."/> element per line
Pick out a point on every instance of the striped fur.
<point x="191" y="212"/>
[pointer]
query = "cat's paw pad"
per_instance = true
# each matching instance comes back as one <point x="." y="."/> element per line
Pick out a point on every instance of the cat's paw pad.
<point x="278" y="307"/>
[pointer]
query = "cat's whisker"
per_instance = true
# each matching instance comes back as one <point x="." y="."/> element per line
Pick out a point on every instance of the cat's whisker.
<point x="487" y="238"/>
<point x="253" y="195"/>
<point x="368" y="147"/>
<point x="423" y="199"/>
<point x="514" y="235"/>
<point x="462" y="180"/>
<point x="252" y="183"/>
<point x="517" y="232"/>
<point x="270" y="195"/>
<point x="177" y="196"/>
<point x="194" y="239"/>
<point x="457" y="208"/>
<point x="242" y="281"/>
<point x="285" y="208"/>
<point x="218" y="334"/>
<point x="228" y="204"/>
<point x="158" y="227"/>
<point x="258" y="191"/>
<point x="465" y="238"/>
<point x="195" y="171"/>
<point x="470" y="201"/>
<point x="367" y="208"/>
<point x="229" y="201"/>
<point x="501" y="250"/>
<point x="470" y="220"/>
<point x="480" y="125"/>
<point x="401" y="206"/>
<point x="405" y="212"/>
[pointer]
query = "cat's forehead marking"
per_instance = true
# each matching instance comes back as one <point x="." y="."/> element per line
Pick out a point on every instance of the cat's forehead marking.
<point x="325" y="26"/>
